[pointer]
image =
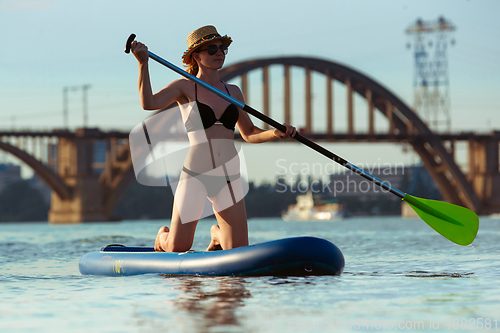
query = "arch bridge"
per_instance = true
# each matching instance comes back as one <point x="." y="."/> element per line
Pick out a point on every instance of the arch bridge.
<point x="65" y="159"/>
<point x="478" y="190"/>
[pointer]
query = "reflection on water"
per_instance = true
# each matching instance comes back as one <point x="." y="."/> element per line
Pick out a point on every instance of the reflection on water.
<point x="418" y="274"/>
<point x="215" y="299"/>
<point x="443" y="274"/>
<point x="294" y="281"/>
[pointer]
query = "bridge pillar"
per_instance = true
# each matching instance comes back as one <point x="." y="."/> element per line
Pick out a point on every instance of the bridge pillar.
<point x="74" y="166"/>
<point x="308" y="101"/>
<point x="484" y="172"/>
<point x="265" y="92"/>
<point x="350" y="107"/>
<point x="329" y="103"/>
<point x="287" y="102"/>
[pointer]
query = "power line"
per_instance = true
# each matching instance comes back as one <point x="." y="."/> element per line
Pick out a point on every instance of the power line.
<point x="84" y="89"/>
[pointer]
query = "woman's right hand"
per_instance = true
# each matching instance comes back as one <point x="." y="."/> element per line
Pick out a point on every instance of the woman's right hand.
<point x="140" y="52"/>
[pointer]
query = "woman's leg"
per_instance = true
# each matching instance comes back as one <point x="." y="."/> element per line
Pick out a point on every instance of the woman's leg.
<point x="161" y="238"/>
<point x="179" y="238"/>
<point x="232" y="230"/>
<point x="229" y="209"/>
<point x="189" y="201"/>
<point x="215" y="241"/>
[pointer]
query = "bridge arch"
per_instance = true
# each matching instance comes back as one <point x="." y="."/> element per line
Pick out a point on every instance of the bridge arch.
<point x="438" y="161"/>
<point x="81" y="194"/>
<point x="53" y="181"/>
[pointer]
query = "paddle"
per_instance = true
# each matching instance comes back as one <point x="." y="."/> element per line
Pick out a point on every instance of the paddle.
<point x="458" y="224"/>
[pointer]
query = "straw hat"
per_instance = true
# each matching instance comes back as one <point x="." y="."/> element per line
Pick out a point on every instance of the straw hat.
<point x="201" y="36"/>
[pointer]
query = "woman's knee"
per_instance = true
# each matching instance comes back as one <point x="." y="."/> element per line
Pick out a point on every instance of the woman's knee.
<point x="177" y="246"/>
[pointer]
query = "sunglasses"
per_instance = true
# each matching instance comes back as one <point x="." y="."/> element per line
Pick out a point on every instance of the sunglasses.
<point x="212" y="49"/>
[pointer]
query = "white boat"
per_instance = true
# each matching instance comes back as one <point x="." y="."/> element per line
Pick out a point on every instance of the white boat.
<point x="306" y="210"/>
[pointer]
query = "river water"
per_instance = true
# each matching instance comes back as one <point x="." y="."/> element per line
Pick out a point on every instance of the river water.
<point x="399" y="275"/>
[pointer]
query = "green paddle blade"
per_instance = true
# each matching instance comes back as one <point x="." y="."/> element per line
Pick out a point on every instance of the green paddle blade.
<point x="458" y="224"/>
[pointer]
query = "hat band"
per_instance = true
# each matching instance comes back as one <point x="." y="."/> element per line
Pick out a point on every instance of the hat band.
<point x="207" y="37"/>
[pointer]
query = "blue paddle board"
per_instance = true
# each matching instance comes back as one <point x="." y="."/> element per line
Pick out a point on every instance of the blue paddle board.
<point x="297" y="256"/>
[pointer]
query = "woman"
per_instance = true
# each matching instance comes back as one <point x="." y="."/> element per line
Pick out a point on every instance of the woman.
<point x="211" y="168"/>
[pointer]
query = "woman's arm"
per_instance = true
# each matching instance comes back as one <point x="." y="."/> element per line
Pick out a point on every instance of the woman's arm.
<point x="164" y="97"/>
<point x="251" y="133"/>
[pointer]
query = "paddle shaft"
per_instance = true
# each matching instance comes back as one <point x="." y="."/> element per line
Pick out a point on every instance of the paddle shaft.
<point x="272" y="122"/>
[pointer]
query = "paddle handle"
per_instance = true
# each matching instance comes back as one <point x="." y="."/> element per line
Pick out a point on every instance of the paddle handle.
<point x="128" y="44"/>
<point x="271" y="122"/>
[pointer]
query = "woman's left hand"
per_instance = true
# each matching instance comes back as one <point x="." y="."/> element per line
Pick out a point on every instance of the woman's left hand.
<point x="290" y="131"/>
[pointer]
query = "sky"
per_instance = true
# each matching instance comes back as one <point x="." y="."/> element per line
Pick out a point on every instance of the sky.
<point x="72" y="43"/>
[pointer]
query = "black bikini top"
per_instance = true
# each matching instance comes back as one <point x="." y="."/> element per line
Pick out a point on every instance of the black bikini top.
<point x="229" y="118"/>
